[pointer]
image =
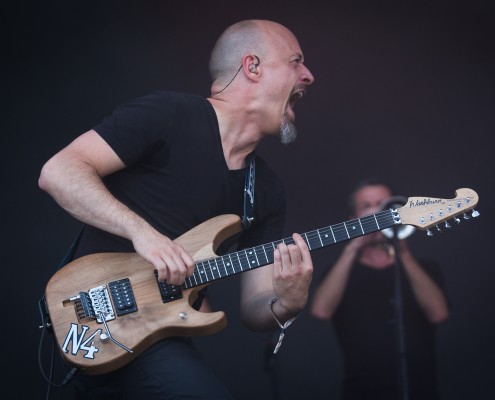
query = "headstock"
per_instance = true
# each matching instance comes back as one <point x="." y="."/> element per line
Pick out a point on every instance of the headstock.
<point x="427" y="212"/>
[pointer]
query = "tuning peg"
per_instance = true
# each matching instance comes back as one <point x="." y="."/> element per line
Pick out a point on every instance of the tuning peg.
<point x="438" y="228"/>
<point x="457" y="220"/>
<point x="429" y="233"/>
<point x="447" y="225"/>
<point x="475" y="214"/>
<point x="466" y="216"/>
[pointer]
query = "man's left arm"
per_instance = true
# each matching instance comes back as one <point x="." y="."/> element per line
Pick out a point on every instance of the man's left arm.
<point x="429" y="295"/>
<point x="287" y="279"/>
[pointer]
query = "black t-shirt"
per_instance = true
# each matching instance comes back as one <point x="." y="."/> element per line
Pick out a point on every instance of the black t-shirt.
<point x="365" y="325"/>
<point x="176" y="175"/>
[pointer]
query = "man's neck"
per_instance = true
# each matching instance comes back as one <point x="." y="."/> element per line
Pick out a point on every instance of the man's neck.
<point x="238" y="133"/>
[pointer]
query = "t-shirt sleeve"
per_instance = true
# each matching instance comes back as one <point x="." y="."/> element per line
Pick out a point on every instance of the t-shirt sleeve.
<point x="138" y="126"/>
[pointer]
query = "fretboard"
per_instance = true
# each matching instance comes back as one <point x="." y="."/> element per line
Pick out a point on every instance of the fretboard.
<point x="247" y="259"/>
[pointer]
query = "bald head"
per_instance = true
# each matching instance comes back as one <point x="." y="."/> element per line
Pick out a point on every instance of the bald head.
<point x="244" y="37"/>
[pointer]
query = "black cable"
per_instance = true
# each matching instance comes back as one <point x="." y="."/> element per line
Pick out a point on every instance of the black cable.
<point x="70" y="375"/>
<point x="225" y="87"/>
<point x="45" y="324"/>
<point x="48" y="378"/>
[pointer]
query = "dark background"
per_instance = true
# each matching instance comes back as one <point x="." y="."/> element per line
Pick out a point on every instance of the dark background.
<point x="404" y="92"/>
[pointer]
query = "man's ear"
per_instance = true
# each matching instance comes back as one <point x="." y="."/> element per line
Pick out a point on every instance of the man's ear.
<point x="250" y="64"/>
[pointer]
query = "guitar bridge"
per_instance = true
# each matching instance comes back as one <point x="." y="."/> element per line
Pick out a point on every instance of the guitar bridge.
<point x="96" y="303"/>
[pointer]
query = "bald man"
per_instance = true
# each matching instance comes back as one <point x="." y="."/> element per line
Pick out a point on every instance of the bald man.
<point x="162" y="164"/>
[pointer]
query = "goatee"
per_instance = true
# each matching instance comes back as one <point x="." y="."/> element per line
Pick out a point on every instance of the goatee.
<point x="288" y="131"/>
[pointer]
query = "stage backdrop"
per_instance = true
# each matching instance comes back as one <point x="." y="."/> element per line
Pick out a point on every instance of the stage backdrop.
<point x="406" y="93"/>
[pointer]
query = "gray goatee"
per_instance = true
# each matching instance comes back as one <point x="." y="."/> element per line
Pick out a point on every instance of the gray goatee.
<point x="288" y="131"/>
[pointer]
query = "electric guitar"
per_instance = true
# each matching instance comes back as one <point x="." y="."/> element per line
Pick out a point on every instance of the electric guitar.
<point x="107" y="308"/>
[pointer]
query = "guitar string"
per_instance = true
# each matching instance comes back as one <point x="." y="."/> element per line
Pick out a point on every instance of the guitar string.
<point x="315" y="235"/>
<point x="337" y="229"/>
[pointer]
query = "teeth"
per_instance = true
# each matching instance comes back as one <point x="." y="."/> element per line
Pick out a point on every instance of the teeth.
<point x="296" y="96"/>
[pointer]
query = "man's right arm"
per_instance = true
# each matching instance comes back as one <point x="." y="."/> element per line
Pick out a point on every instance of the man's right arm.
<point x="73" y="178"/>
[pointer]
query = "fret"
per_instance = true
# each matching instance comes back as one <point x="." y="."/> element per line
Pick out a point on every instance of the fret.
<point x="361" y="225"/>
<point x="204" y="272"/>
<point x="327" y="238"/>
<point x="197" y="273"/>
<point x="266" y="256"/>
<point x="333" y="236"/>
<point x="221" y="259"/>
<point x="256" y="256"/>
<point x="240" y="262"/>
<point x="246" y="259"/>
<point x="319" y="237"/>
<point x="370" y="224"/>
<point x="377" y="224"/>
<point x="340" y="232"/>
<point x="269" y="252"/>
<point x="214" y="268"/>
<point x="218" y="264"/>
<point x="251" y="259"/>
<point x="261" y="255"/>
<point x="313" y="239"/>
<point x="346" y="231"/>
<point x="353" y="228"/>
<point x="307" y="241"/>
<point x="194" y="276"/>
<point x="231" y="265"/>
<point x="208" y="271"/>
<point x="233" y="262"/>
<point x="385" y="219"/>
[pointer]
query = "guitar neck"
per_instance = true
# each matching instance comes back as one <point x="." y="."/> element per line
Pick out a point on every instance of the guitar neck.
<point x="247" y="259"/>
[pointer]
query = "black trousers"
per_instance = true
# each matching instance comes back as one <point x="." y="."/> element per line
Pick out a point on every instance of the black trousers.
<point x="169" y="370"/>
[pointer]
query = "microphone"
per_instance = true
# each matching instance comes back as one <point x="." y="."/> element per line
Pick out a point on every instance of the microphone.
<point x="402" y="231"/>
<point x="393" y="202"/>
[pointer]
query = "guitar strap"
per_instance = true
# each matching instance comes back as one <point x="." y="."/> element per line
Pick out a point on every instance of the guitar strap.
<point x="248" y="217"/>
<point x="70" y="254"/>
